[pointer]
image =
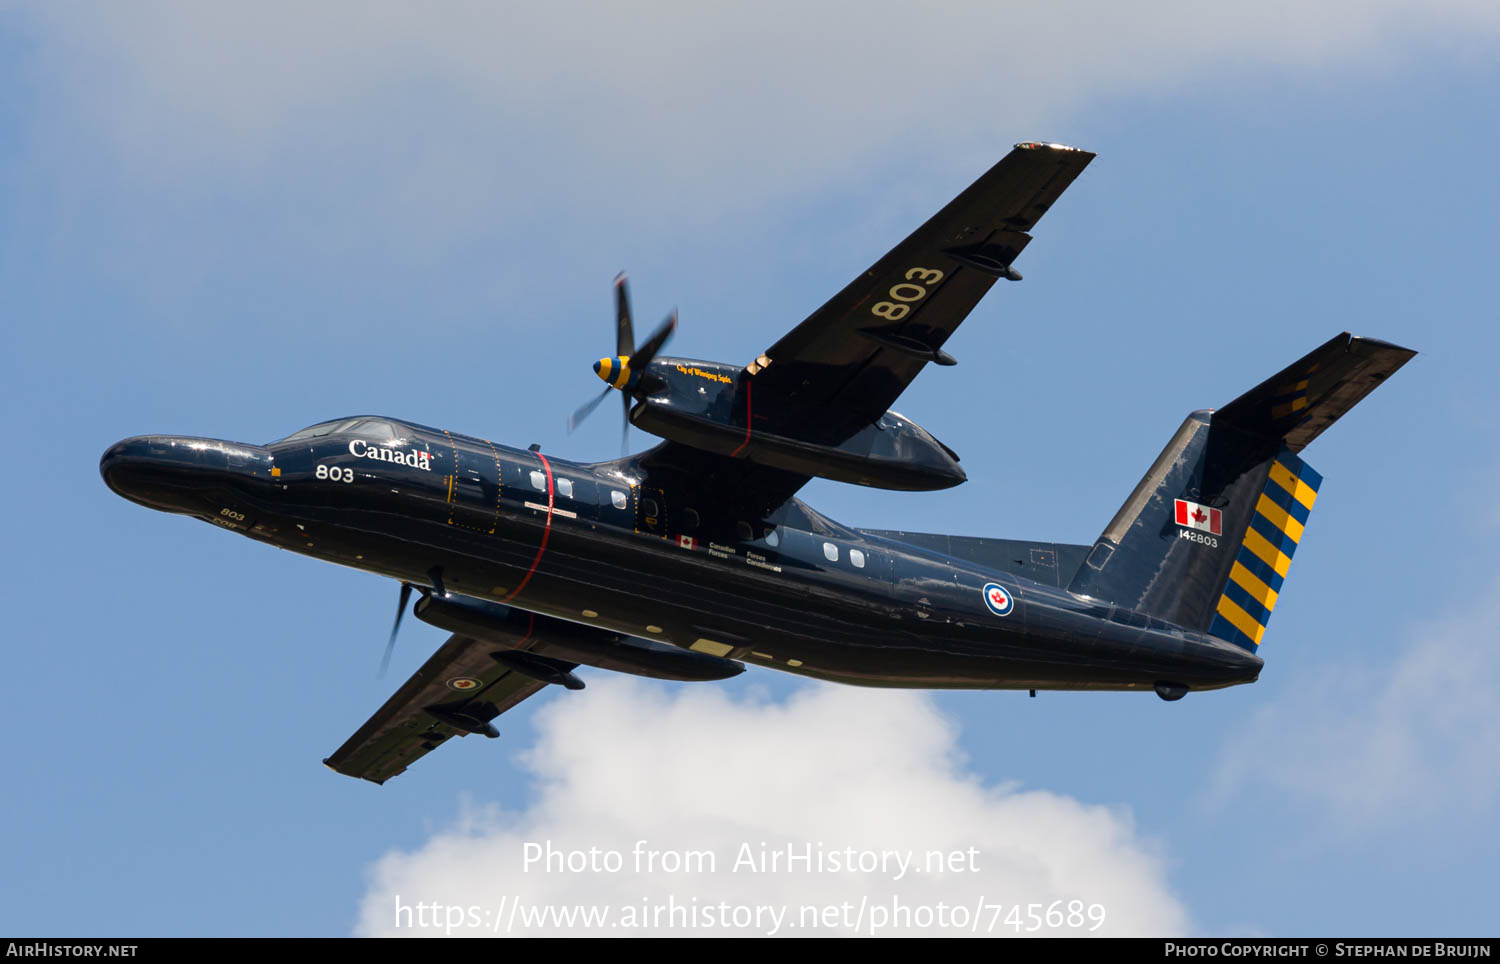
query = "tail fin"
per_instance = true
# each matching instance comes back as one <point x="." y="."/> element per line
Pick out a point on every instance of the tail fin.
<point x="1207" y="536"/>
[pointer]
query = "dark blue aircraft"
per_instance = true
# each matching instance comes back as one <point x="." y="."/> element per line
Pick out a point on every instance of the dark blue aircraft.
<point x="689" y="560"/>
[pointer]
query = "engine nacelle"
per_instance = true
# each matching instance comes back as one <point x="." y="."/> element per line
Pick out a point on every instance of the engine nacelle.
<point x="702" y="404"/>
<point x="559" y="639"/>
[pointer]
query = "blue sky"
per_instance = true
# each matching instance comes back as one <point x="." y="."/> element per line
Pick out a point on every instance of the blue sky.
<point x="239" y="222"/>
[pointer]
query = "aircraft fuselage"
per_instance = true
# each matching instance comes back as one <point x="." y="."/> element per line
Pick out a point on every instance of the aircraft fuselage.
<point x="596" y="544"/>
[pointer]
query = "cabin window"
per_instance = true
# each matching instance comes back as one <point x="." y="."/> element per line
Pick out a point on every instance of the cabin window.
<point x="772" y="539"/>
<point x="830" y="552"/>
<point x="690" y="518"/>
<point x="617" y="499"/>
<point x="857" y="557"/>
<point x="565" y="488"/>
<point x="649" y="507"/>
<point x="538" y="481"/>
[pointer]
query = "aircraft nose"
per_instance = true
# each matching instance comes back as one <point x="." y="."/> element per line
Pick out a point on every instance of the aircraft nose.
<point x="121" y="458"/>
<point x="170" y="472"/>
<point x="141" y="468"/>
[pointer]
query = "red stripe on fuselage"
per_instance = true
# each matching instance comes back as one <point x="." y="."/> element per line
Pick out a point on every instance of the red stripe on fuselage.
<point x="736" y="452"/>
<point x="546" y="531"/>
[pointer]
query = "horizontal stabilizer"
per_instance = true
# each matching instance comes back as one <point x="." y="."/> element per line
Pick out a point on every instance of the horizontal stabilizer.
<point x="1297" y="404"/>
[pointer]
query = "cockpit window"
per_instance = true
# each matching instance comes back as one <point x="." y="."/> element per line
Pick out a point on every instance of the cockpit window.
<point x="316" y="431"/>
<point x="373" y="428"/>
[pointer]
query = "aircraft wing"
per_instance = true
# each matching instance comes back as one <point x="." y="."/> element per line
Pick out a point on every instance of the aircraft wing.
<point x="455" y="693"/>
<point x="845" y="365"/>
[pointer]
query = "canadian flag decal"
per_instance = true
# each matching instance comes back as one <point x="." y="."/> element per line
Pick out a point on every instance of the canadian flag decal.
<point x="1196" y="516"/>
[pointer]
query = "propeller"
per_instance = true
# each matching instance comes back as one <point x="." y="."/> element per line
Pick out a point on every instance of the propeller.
<point x="587" y="409"/>
<point x="624" y="348"/>
<point x="624" y="371"/>
<point x="624" y="330"/>
<point x="435" y="574"/>
<point x="390" y="646"/>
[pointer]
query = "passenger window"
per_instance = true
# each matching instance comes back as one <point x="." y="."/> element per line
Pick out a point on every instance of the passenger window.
<point x="690" y="518"/>
<point x="617" y="499"/>
<point x="649" y="507"/>
<point x="773" y="539"/>
<point x="538" y="481"/>
<point x="565" y="488"/>
<point x="830" y="552"/>
<point x="857" y="557"/>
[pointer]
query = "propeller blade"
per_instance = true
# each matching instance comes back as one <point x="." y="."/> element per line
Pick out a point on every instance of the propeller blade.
<point x="625" y="426"/>
<point x="624" y="330"/>
<point x="642" y="358"/>
<point x="587" y="409"/>
<point x="390" y="646"/>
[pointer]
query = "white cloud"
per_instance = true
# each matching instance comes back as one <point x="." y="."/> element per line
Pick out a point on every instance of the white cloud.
<point x="348" y="143"/>
<point x="692" y="769"/>
<point x="446" y="108"/>
<point x="1414" y="741"/>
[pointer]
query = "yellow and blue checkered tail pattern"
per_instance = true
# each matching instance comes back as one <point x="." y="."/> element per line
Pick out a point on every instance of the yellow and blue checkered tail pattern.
<point x="1266" y="553"/>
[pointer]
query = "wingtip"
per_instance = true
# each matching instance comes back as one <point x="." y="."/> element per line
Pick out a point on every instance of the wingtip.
<point x="1048" y="146"/>
<point x="1381" y="344"/>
